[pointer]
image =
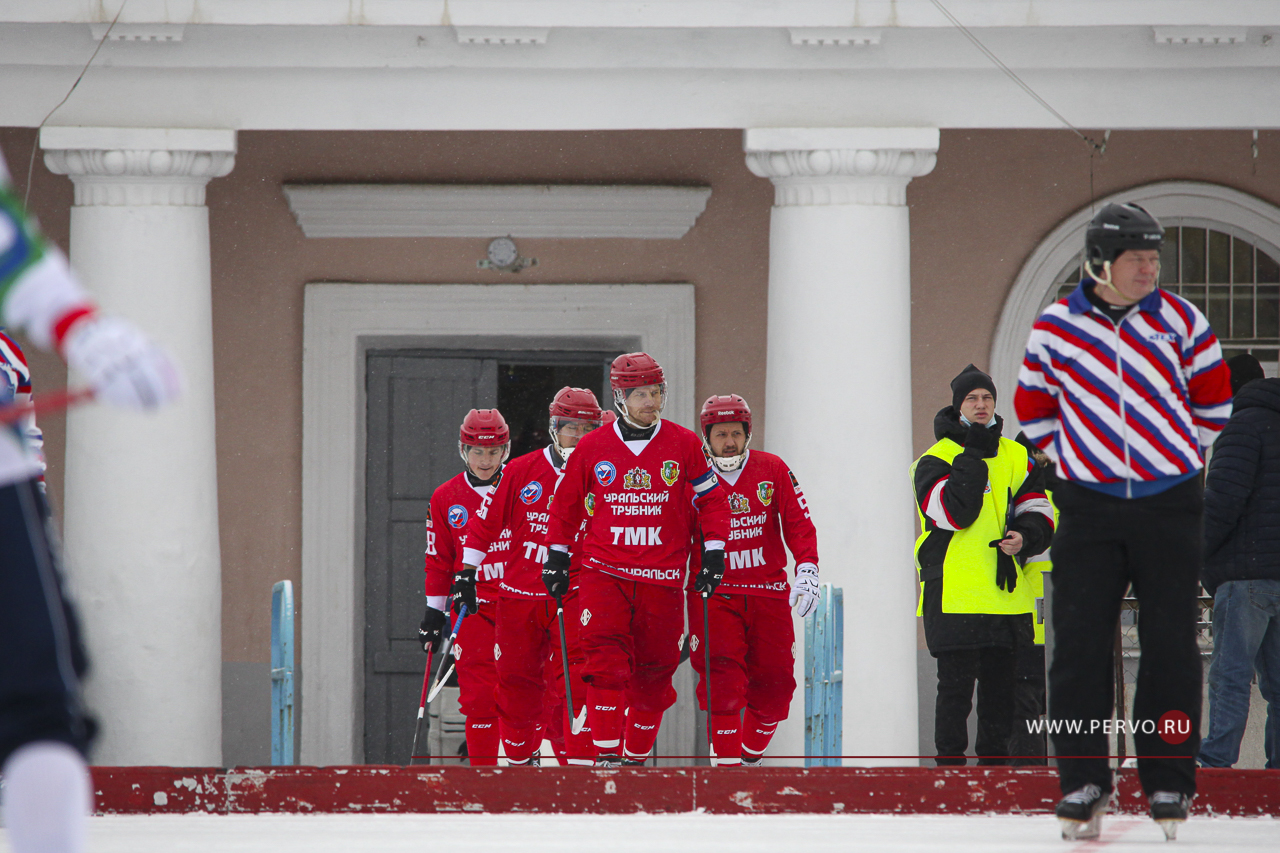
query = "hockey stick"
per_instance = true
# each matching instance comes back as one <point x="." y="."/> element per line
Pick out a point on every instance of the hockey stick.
<point x="447" y="654"/>
<point x="575" y="724"/>
<point x="52" y="402"/>
<point x="706" y="678"/>
<point x="422" y="710"/>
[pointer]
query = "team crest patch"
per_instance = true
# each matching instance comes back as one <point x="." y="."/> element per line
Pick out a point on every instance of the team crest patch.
<point x="590" y="503"/>
<point x="457" y="516"/>
<point x="637" y="478"/>
<point x="670" y="472"/>
<point x="605" y="472"/>
<point x="739" y="502"/>
<point x="794" y="481"/>
<point x="428" y="516"/>
<point x="765" y="492"/>
<point x="532" y="492"/>
<point x="586" y="617"/>
<point x="987" y="490"/>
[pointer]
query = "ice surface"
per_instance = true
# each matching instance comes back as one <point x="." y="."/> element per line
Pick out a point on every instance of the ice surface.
<point x="686" y="833"/>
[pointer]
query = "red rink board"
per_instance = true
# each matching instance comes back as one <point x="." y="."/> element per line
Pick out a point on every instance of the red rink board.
<point x="576" y="790"/>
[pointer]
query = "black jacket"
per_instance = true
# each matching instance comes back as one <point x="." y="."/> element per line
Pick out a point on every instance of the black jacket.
<point x="966" y="485"/>
<point x="1242" y="491"/>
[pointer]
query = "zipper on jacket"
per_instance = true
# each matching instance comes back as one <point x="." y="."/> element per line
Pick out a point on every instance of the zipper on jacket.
<point x="1124" y="421"/>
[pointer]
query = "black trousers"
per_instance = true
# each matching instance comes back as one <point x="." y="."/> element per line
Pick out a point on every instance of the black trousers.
<point x="993" y="670"/>
<point x="41" y="656"/>
<point x="1102" y="545"/>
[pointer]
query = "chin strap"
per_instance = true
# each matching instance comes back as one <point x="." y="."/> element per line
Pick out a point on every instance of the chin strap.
<point x="1105" y="281"/>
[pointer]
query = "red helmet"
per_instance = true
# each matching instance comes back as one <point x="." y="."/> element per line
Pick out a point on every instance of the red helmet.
<point x="724" y="410"/>
<point x="484" y="428"/>
<point x="634" y="370"/>
<point x="609" y="417"/>
<point x="576" y="403"/>
<point x="721" y="410"/>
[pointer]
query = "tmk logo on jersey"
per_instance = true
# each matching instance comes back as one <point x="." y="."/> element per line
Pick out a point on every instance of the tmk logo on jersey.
<point x="670" y="472"/>
<point x="748" y="559"/>
<point x="643" y="536"/>
<point x="739" y="502"/>
<point x="590" y="503"/>
<point x="457" y="516"/>
<point x="765" y="492"/>
<point x="605" y="472"/>
<point x="1163" y="336"/>
<point x="532" y="492"/>
<point x="637" y="478"/>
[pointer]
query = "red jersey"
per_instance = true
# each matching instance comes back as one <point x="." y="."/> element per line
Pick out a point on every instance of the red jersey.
<point x="766" y="509"/>
<point x="633" y="499"/>
<point x="452" y="506"/>
<point x="519" y="505"/>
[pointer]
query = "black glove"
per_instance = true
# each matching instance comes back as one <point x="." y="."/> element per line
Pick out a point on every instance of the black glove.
<point x="982" y="441"/>
<point x="1006" y="568"/>
<point x="464" y="591"/>
<point x="555" y="573"/>
<point x="712" y="572"/>
<point x="431" y="631"/>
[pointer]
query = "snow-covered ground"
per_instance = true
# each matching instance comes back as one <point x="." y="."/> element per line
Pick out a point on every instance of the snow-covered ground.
<point x="686" y="833"/>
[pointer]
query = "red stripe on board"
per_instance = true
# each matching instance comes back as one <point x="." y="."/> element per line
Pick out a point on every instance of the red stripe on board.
<point x="584" y="790"/>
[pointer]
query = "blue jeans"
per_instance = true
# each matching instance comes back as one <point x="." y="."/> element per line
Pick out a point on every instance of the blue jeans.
<point x="1246" y="638"/>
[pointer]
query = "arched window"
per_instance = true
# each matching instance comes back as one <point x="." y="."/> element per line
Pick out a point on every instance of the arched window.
<point x="1221" y="252"/>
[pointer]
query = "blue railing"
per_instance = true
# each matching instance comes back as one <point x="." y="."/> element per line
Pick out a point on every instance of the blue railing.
<point x="282" y="673"/>
<point x="824" y="680"/>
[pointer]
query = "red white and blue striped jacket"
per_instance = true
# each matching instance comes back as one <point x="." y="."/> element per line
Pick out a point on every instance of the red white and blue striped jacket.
<point x="1132" y="402"/>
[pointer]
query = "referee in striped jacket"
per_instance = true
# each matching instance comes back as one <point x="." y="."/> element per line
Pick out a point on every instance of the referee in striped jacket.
<point x="1123" y="385"/>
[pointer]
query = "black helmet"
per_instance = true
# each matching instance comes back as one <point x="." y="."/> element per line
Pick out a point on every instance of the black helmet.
<point x="1117" y="228"/>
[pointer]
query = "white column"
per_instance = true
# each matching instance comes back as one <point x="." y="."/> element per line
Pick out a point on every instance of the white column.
<point x="838" y="399"/>
<point x="141" y="495"/>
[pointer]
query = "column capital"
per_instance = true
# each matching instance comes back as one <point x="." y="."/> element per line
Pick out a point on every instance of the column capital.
<point x="138" y="167"/>
<point x="837" y="165"/>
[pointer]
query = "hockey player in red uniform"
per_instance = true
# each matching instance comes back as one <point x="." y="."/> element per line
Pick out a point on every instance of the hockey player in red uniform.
<point x="752" y="635"/>
<point x="629" y="482"/>
<point x="530" y="669"/>
<point x="484" y="443"/>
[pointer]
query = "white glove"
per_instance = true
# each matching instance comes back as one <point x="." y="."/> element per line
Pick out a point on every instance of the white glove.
<point x="122" y="365"/>
<point x="805" y="593"/>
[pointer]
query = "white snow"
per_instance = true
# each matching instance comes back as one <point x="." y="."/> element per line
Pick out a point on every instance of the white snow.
<point x="685" y="833"/>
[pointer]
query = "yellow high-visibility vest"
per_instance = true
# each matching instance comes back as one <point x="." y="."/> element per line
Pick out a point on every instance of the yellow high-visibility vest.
<point x="969" y="568"/>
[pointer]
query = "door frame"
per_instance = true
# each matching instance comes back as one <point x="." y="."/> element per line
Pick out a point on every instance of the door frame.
<point x="341" y="321"/>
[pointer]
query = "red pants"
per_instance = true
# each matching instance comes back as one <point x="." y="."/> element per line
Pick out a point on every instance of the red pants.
<point x="752" y="654"/>
<point x="477" y="680"/>
<point x="531" y="675"/>
<point x="632" y="634"/>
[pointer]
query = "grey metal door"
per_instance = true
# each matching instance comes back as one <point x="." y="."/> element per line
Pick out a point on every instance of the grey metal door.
<point x="414" y="407"/>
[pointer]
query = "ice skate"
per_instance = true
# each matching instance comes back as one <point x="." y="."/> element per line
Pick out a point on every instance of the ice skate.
<point x="609" y="760"/>
<point x="1169" y="809"/>
<point x="1080" y="813"/>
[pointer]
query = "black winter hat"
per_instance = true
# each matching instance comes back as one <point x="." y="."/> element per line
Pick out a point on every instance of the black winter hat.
<point x="1244" y="368"/>
<point x="969" y="378"/>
